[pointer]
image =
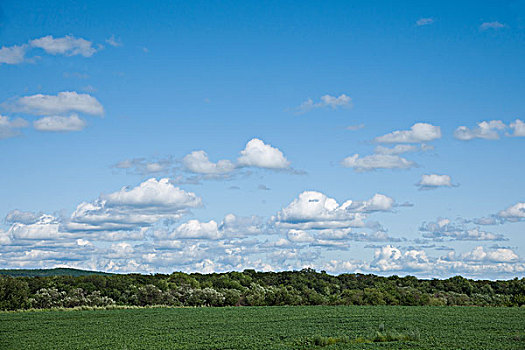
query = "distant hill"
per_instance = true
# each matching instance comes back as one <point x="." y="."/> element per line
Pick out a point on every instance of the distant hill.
<point x="50" y="272"/>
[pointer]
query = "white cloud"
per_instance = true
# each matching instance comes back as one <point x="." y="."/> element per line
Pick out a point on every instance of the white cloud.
<point x="130" y="209"/>
<point x="389" y="258"/>
<point x="198" y="162"/>
<point x="145" y="167"/>
<point x="59" y="123"/>
<point x="397" y="149"/>
<point x="24" y="217"/>
<point x="239" y="226"/>
<point x="63" y="102"/>
<point x="113" y="41"/>
<point x="514" y="213"/>
<point x="484" y="130"/>
<point x="519" y="128"/>
<point x="418" y="133"/>
<point x="346" y="234"/>
<point x="432" y="181"/>
<point x="445" y="229"/>
<point x="9" y="128"/>
<point x="256" y="154"/>
<point x="355" y="127"/>
<point x="299" y="236"/>
<point x="45" y="227"/>
<point x="332" y="102"/>
<point x="315" y="210"/>
<point x="121" y="250"/>
<point x="378" y="202"/>
<point x="13" y="55"/>
<point x="377" y="161"/>
<point x="424" y="21"/>
<point x="153" y="193"/>
<point x="479" y="254"/>
<point x="195" y="229"/>
<point x="5" y="238"/>
<point x="492" y="25"/>
<point x="68" y="45"/>
<point x="154" y="167"/>
<point x="486" y="221"/>
<point x="261" y="155"/>
<point x="479" y="262"/>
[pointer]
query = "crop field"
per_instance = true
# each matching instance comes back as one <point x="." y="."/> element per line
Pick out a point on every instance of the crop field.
<point x="301" y="327"/>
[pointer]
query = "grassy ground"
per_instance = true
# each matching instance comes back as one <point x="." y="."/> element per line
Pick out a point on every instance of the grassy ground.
<point x="266" y="328"/>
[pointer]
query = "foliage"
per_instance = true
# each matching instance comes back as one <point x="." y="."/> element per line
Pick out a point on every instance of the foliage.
<point x="251" y="288"/>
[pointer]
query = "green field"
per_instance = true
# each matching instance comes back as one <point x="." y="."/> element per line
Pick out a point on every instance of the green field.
<point x="263" y="328"/>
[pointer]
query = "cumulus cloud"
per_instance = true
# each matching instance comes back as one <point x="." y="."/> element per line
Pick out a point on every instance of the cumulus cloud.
<point x="377" y="161"/>
<point x="195" y="229"/>
<point x="488" y="130"/>
<point x="196" y="166"/>
<point x="513" y="213"/>
<point x="498" y="255"/>
<point x="390" y="258"/>
<point x="261" y="155"/>
<point x="518" y="128"/>
<point x="338" y="238"/>
<point x="424" y="21"/>
<point x="480" y="262"/>
<point x="142" y="206"/>
<point x="299" y="236"/>
<point x="418" y="133"/>
<point x="198" y="162"/>
<point x="389" y="157"/>
<point x="9" y="127"/>
<point x="59" y="123"/>
<point x="315" y="210"/>
<point x="153" y="193"/>
<point x="433" y="181"/>
<point x="121" y="250"/>
<point x="378" y="202"/>
<point x="242" y="226"/>
<point x="44" y="227"/>
<point x="13" y="55"/>
<point x="63" y="102"/>
<point x="67" y="45"/>
<point x="333" y="102"/>
<point x="491" y="25"/>
<point x="444" y="229"/>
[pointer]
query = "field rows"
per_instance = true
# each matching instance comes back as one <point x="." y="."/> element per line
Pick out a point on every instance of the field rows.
<point x="262" y="328"/>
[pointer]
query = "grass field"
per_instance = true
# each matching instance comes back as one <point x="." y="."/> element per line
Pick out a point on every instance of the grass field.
<point x="264" y="328"/>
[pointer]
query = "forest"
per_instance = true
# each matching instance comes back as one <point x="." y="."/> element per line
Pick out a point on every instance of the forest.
<point x="252" y="288"/>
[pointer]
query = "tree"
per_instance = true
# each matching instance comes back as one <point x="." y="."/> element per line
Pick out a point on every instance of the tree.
<point x="14" y="293"/>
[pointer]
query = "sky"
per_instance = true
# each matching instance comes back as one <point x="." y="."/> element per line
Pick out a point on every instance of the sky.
<point x="207" y="136"/>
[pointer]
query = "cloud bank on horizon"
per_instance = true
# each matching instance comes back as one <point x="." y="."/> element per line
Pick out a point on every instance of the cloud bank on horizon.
<point x="125" y="153"/>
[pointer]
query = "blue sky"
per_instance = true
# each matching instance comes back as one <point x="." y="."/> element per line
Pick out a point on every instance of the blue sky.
<point x="216" y="136"/>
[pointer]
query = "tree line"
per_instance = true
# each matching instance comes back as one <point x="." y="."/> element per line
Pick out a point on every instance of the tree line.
<point x="252" y="288"/>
